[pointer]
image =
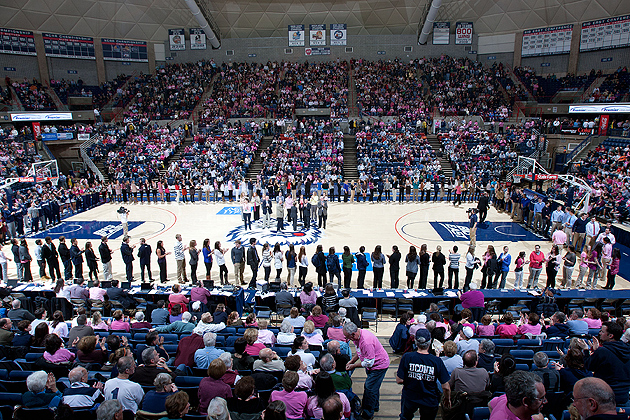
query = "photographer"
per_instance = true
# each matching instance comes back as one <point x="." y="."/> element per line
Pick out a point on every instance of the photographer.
<point x="123" y="214"/>
<point x="472" y="225"/>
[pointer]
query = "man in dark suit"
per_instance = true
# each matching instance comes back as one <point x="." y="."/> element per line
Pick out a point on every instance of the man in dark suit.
<point x="144" y="253"/>
<point x="66" y="258"/>
<point x="127" y="256"/>
<point x="49" y="253"/>
<point x="77" y="258"/>
<point x="116" y="293"/>
<point x="253" y="260"/>
<point x="483" y="206"/>
<point x="106" y="258"/>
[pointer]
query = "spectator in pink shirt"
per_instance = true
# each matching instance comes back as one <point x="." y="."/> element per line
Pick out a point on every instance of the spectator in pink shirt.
<point x="508" y="328"/>
<point x="335" y="331"/>
<point x="265" y="336"/>
<point x="177" y="297"/>
<point x="54" y="352"/>
<point x="312" y="335"/>
<point x="96" y="292"/>
<point x="532" y="326"/>
<point x="373" y="357"/>
<point x="119" y="324"/>
<point x="253" y="347"/>
<point x="317" y="316"/>
<point x="294" y="400"/>
<point x="486" y="328"/>
<point x="593" y="318"/>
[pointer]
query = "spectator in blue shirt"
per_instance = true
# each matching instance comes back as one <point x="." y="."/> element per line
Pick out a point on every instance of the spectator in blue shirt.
<point x="160" y="315"/>
<point x="204" y="356"/>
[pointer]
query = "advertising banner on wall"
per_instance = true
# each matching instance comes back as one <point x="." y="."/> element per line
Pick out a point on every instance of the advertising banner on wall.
<point x="605" y="33"/>
<point x="124" y="50"/>
<point x="69" y="46"/>
<point x="547" y="41"/>
<point x="177" y="39"/>
<point x="17" y="42"/>
<point x="317" y="35"/>
<point x="463" y="33"/>
<point x="197" y="39"/>
<point x="317" y="51"/>
<point x="338" y="34"/>
<point x="603" y="124"/>
<point x="441" y="33"/>
<point x="296" y="35"/>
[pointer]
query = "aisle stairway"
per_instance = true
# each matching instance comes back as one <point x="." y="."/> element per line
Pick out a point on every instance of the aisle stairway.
<point x="176" y="156"/>
<point x="257" y="165"/>
<point x="444" y="162"/>
<point x="353" y="109"/>
<point x="350" y="157"/>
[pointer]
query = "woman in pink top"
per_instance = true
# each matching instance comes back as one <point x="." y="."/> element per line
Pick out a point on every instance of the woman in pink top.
<point x="508" y="328"/>
<point x="54" y="352"/>
<point x="335" y="332"/>
<point x="486" y="328"/>
<point x="532" y="326"/>
<point x="593" y="318"/>
<point x="119" y="323"/>
<point x="536" y="259"/>
<point x="265" y="336"/>
<point x="295" y="401"/>
<point x="583" y="266"/>
<point x="308" y="295"/>
<point x="178" y="297"/>
<point x="312" y="336"/>
<point x="325" y="388"/>
<point x="251" y="336"/>
<point x="317" y="316"/>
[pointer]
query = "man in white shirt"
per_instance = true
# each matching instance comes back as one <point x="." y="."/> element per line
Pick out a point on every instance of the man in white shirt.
<point x="180" y="258"/>
<point x="130" y="394"/>
<point x="606" y="234"/>
<point x="592" y="230"/>
<point x="557" y="219"/>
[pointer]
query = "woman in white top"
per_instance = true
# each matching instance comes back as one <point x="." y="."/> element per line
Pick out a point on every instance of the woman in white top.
<point x="3" y="264"/>
<point x="302" y="266"/>
<point x="286" y="334"/>
<point x="219" y="255"/>
<point x="300" y="345"/>
<point x="58" y="325"/>
<point x="277" y="259"/>
<point x="267" y="258"/>
<point x="470" y="266"/>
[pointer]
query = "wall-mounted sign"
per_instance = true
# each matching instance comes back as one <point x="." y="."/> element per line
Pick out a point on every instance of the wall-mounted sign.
<point x="124" y="50"/>
<point x="296" y="35"/>
<point x="69" y="46"/>
<point x="547" y="41"/>
<point x="463" y="33"/>
<point x="197" y="39"/>
<point x="338" y="34"/>
<point x="13" y="41"/>
<point x="177" y="39"/>
<point x="441" y="33"/>
<point x="605" y="33"/>
<point x="317" y="35"/>
<point x="41" y="116"/>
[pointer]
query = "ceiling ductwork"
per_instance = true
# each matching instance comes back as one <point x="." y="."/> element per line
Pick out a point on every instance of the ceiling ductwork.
<point x="428" y="23"/>
<point x="204" y="18"/>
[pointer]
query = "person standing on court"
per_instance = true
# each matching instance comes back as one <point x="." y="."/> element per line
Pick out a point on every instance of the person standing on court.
<point x="483" y="205"/>
<point x="394" y="267"/>
<point x="238" y="259"/>
<point x="180" y="258"/>
<point x="66" y="259"/>
<point x="50" y="254"/>
<point x="472" y="225"/>
<point x="265" y="205"/>
<point x="374" y="358"/>
<point x="419" y="373"/>
<point x="127" y="256"/>
<point x="253" y="260"/>
<point x="144" y="253"/>
<point x="106" y="258"/>
<point x="76" y="254"/>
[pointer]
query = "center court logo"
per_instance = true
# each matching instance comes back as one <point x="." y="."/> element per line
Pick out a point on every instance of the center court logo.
<point x="285" y="237"/>
<point x="457" y="231"/>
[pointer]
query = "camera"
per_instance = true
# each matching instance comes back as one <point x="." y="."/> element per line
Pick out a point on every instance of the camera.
<point x="122" y="210"/>
<point x="470" y="210"/>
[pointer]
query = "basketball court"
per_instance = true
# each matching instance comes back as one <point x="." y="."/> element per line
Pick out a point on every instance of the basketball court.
<point x="431" y="223"/>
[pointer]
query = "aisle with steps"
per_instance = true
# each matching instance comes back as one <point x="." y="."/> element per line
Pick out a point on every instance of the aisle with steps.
<point x="436" y="145"/>
<point x="176" y="156"/>
<point x="257" y="165"/>
<point x="350" y="171"/>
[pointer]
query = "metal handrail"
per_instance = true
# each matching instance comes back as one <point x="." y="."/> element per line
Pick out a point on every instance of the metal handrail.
<point x="86" y="158"/>
<point x="583" y="145"/>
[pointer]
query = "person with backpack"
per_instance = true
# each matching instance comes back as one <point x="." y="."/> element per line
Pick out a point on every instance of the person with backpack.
<point x="319" y="261"/>
<point x="332" y="263"/>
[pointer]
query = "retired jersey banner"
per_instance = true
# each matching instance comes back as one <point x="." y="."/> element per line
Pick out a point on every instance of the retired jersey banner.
<point x="296" y="35"/>
<point x="197" y="39"/>
<point x="317" y="35"/>
<point x="338" y="34"/>
<point x="463" y="33"/>
<point x="441" y="33"/>
<point x="177" y="39"/>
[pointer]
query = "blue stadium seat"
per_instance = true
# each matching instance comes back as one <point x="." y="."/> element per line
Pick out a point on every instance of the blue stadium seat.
<point x="282" y="351"/>
<point x="170" y="338"/>
<point x="187" y="381"/>
<point x="522" y="366"/>
<point x="481" y="413"/>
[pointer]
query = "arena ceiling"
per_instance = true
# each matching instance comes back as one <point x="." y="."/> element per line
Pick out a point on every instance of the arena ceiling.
<point x="150" y="19"/>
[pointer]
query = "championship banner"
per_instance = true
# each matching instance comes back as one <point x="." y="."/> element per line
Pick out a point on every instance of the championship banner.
<point x="37" y="129"/>
<point x="603" y="124"/>
<point x="124" y="50"/>
<point x="317" y="51"/>
<point x="605" y="33"/>
<point x="296" y="35"/>
<point x="317" y="35"/>
<point x="463" y="33"/>
<point x="441" y="33"/>
<point x="547" y="41"/>
<point x="177" y="39"/>
<point x="197" y="39"/>
<point x="69" y="46"/>
<point x="17" y="42"/>
<point x="338" y="34"/>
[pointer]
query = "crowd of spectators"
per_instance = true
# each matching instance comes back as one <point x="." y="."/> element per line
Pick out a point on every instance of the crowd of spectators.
<point x="389" y="88"/>
<point x="315" y="146"/>
<point x="614" y="88"/>
<point x="100" y="94"/>
<point x="545" y="88"/>
<point x="314" y="85"/>
<point x="33" y="95"/>
<point x="243" y="90"/>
